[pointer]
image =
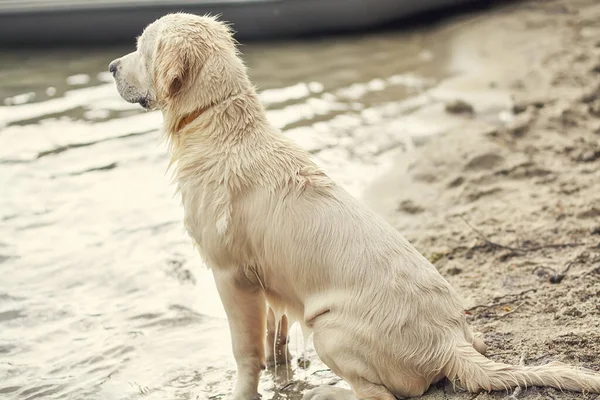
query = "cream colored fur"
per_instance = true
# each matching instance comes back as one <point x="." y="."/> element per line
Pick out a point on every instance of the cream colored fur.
<point x="276" y="230"/>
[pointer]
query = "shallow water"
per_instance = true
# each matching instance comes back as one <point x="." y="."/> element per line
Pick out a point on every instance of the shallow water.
<point x="101" y="293"/>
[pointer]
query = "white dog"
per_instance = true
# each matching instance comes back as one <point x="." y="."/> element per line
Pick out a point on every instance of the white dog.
<point x="276" y="230"/>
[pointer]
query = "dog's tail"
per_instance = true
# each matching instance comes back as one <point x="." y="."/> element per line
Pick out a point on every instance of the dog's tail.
<point x="477" y="372"/>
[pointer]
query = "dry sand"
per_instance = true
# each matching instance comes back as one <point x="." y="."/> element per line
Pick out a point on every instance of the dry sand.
<point x="509" y="211"/>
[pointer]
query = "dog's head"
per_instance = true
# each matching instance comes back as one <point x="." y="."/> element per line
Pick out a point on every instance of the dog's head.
<point x="181" y="61"/>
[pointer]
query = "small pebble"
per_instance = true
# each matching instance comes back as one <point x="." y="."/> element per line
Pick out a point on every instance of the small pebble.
<point x="522" y="105"/>
<point x="594" y="108"/>
<point x="520" y="125"/>
<point x="459" y="107"/>
<point x="591" y="94"/>
<point x="303" y="362"/>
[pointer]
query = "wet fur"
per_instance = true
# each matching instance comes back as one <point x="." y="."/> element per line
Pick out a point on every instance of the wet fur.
<point x="276" y="230"/>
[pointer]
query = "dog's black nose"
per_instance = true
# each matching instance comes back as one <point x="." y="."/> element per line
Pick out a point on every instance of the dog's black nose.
<point x="112" y="68"/>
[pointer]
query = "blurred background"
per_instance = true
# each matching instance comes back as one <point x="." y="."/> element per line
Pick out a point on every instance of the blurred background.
<point x="101" y="293"/>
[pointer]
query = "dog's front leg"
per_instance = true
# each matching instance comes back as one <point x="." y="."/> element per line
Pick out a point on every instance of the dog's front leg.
<point x="277" y="340"/>
<point x="246" y="307"/>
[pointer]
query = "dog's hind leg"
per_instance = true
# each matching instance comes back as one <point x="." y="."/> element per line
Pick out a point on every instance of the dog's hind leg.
<point x="339" y="352"/>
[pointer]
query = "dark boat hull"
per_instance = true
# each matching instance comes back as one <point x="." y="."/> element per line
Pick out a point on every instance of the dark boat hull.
<point x="37" y="22"/>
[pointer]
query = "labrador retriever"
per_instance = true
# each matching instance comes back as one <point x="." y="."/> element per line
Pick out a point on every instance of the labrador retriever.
<point x="276" y="230"/>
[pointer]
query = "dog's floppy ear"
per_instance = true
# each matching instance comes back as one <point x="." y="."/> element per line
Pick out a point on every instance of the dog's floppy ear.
<point x="173" y="66"/>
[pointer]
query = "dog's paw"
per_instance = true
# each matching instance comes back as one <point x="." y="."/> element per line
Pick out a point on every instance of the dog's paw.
<point x="254" y="396"/>
<point x="329" y="393"/>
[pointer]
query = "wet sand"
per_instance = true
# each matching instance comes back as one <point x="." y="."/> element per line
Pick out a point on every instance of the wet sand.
<point x="478" y="139"/>
<point x="510" y="212"/>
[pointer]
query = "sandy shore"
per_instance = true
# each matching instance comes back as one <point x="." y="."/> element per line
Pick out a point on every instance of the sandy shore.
<point x="508" y="208"/>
